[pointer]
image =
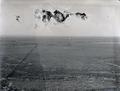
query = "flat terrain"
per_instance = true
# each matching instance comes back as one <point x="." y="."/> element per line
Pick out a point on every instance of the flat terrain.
<point x="61" y="63"/>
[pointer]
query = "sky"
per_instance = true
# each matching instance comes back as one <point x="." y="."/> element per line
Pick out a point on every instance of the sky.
<point x="103" y="18"/>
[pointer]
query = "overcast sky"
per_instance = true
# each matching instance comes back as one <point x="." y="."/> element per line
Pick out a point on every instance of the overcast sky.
<point x="103" y="18"/>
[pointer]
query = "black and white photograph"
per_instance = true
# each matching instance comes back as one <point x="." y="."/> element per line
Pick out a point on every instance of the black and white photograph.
<point x="59" y="45"/>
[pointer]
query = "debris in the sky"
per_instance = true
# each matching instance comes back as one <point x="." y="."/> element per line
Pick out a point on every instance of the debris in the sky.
<point x="60" y="17"/>
<point x="82" y="15"/>
<point x="57" y="15"/>
<point x="18" y="18"/>
<point x="47" y="15"/>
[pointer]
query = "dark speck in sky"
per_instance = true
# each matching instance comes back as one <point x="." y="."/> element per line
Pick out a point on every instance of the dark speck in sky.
<point x="18" y="18"/>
